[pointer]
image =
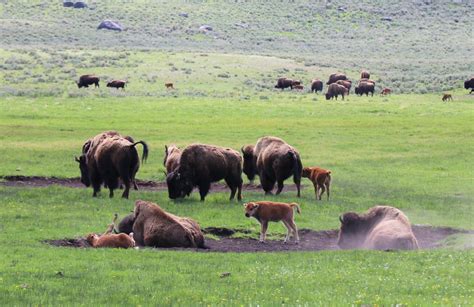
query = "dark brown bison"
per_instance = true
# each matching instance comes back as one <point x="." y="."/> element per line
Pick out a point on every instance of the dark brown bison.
<point x="86" y="80"/>
<point x="469" y="84"/>
<point x="283" y="83"/>
<point x="447" y="97"/>
<point x="202" y="164"/>
<point x="273" y="160"/>
<point x="154" y="227"/>
<point x="126" y="224"/>
<point x="316" y="86"/>
<point x="346" y="83"/>
<point x="364" y="74"/>
<point x="117" y="84"/>
<point x="336" y="77"/>
<point x="365" y="88"/>
<point x="109" y="160"/>
<point x="381" y="227"/>
<point x="366" y="80"/>
<point x="334" y="90"/>
<point x="172" y="156"/>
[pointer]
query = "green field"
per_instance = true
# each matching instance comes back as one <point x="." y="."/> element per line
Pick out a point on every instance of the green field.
<point x="409" y="149"/>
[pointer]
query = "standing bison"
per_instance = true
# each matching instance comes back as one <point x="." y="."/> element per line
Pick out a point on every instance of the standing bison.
<point x="469" y="84"/>
<point x="365" y="88"/>
<point x="336" y="77"/>
<point x="381" y="227"/>
<point x="316" y="86"/>
<point x="334" y="90"/>
<point x="86" y="80"/>
<point x="202" y="164"/>
<point x="283" y="83"/>
<point x="117" y="84"/>
<point x="107" y="158"/>
<point x="152" y="226"/>
<point x="273" y="160"/>
<point x="346" y="83"/>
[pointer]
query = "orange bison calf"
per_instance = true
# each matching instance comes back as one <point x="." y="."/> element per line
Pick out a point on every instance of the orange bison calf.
<point x="321" y="179"/>
<point x="120" y="240"/>
<point x="267" y="211"/>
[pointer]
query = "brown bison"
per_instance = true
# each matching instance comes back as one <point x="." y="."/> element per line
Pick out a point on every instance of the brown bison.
<point x="366" y="80"/>
<point x="386" y="91"/>
<point x="120" y="240"/>
<point x="321" y="179"/>
<point x="336" y="77"/>
<point x="157" y="228"/>
<point x="381" y="227"/>
<point x="316" y="86"/>
<point x="86" y="80"/>
<point x="172" y="156"/>
<point x="108" y="159"/>
<point x="365" y="88"/>
<point x="447" y="97"/>
<point x="273" y="160"/>
<point x="298" y="87"/>
<point x="334" y="90"/>
<point x="169" y="86"/>
<point x="364" y="74"/>
<point x="202" y="164"/>
<point x="469" y="84"/>
<point x="117" y="84"/>
<point x="283" y="83"/>
<point x="126" y="224"/>
<point x="346" y="83"/>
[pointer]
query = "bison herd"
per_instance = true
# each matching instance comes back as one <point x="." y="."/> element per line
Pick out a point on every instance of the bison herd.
<point x="111" y="159"/>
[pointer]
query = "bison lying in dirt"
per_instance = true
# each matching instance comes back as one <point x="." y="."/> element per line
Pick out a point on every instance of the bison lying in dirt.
<point x="86" y="80"/>
<point x="381" y="228"/>
<point x="107" y="158"/>
<point x="334" y="90"/>
<point x="154" y="227"/>
<point x="202" y="164"/>
<point x="172" y="156"/>
<point x="273" y="160"/>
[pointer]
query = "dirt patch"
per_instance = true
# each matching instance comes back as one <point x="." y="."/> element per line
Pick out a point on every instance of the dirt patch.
<point x="39" y="182"/>
<point x="428" y="237"/>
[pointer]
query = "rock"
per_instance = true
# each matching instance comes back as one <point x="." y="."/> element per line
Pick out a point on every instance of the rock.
<point x="80" y="5"/>
<point x="68" y="4"/>
<point x="205" y="28"/>
<point x="110" y="25"/>
<point x="386" y="18"/>
<point x="185" y="15"/>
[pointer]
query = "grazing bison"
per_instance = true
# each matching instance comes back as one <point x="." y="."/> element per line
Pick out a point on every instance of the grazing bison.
<point x="86" y="80"/>
<point x="109" y="160"/>
<point x="169" y="85"/>
<point x="117" y="84"/>
<point x="285" y="83"/>
<point x="381" y="227"/>
<point x="447" y="97"/>
<point x="172" y="156"/>
<point x="469" y="84"/>
<point x="346" y="83"/>
<point x="365" y="88"/>
<point x="336" y="77"/>
<point x="364" y="74"/>
<point x="334" y="90"/>
<point x="157" y="228"/>
<point x="273" y="160"/>
<point x="316" y="86"/>
<point x="202" y="164"/>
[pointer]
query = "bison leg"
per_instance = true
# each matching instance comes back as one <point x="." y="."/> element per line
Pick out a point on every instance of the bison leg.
<point x="263" y="231"/>
<point x="125" y="193"/>
<point x="239" y="191"/>
<point x="204" y="189"/>
<point x="267" y="184"/>
<point x="316" y="190"/>
<point x="280" y="187"/>
<point x="322" y="189"/>
<point x="327" y="189"/>
<point x="135" y="186"/>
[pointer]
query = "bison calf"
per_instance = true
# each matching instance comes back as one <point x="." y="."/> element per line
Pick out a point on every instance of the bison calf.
<point x="447" y="97"/>
<point x="120" y="240"/>
<point x="267" y="211"/>
<point x="321" y="179"/>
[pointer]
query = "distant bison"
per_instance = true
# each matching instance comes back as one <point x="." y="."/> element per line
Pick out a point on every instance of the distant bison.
<point x="86" y="80"/>
<point x="334" y="90"/>
<point x="273" y="160"/>
<point x="169" y="85"/>
<point x="202" y="164"/>
<point x="117" y="84"/>
<point x="447" y="97"/>
<point x="365" y="88"/>
<point x="154" y="227"/>
<point x="364" y="74"/>
<point x="283" y="83"/>
<point x="316" y="86"/>
<point x="366" y="80"/>
<point x="336" y="77"/>
<point x="172" y="156"/>
<point x="298" y="87"/>
<point x="385" y="91"/>
<point x="346" y="83"/>
<point x="381" y="228"/>
<point x="469" y="84"/>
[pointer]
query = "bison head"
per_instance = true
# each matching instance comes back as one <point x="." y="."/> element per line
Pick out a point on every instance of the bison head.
<point x="109" y="84"/>
<point x="84" y="170"/>
<point x="178" y="185"/>
<point x="249" y="169"/>
<point x="353" y="231"/>
<point x="328" y="96"/>
<point x="250" y="209"/>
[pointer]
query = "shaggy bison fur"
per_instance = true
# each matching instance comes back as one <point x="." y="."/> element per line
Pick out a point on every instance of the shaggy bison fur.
<point x="365" y="88"/>
<point x="117" y="84"/>
<point x="334" y="90"/>
<point x="86" y="80"/>
<point x="336" y="77"/>
<point x="316" y="86"/>
<point x="469" y="84"/>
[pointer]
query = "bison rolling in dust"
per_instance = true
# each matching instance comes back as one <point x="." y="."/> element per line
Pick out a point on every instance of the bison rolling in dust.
<point x="381" y="228"/>
<point x="273" y="160"/>
<point x="202" y="164"/>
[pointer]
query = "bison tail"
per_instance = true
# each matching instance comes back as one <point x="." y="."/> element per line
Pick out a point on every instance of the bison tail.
<point x="297" y="167"/>
<point x="145" y="149"/>
<point x="298" y="209"/>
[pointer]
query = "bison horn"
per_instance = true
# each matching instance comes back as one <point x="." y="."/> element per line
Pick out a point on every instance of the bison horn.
<point x="341" y="218"/>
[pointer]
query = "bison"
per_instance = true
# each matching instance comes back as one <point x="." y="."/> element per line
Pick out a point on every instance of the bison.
<point x="381" y="228"/>
<point x="117" y="84"/>
<point x="154" y="227"/>
<point x="469" y="84"/>
<point x="336" y="77"/>
<point x="365" y="88"/>
<point x="364" y="74"/>
<point x="109" y="160"/>
<point x="172" y="156"/>
<point x="386" y="91"/>
<point x="126" y="224"/>
<point x="86" y="80"/>
<point x="273" y="160"/>
<point x="346" y="83"/>
<point x="321" y="179"/>
<point x="447" y="97"/>
<point x="202" y="164"/>
<point x="316" y="86"/>
<point x="283" y="83"/>
<point x="334" y="90"/>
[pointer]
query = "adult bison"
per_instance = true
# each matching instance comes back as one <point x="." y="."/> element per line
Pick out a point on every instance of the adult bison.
<point x="316" y="86"/>
<point x="86" y="80"/>
<point x="334" y="90"/>
<point x="202" y="164"/>
<point x="346" y="83"/>
<point x="336" y="77"/>
<point x="109" y="158"/>
<point x="381" y="227"/>
<point x="364" y="74"/>
<point x="283" y="83"/>
<point x="154" y="227"/>
<point x="172" y="156"/>
<point x="273" y="160"/>
<point x="365" y="88"/>
<point x="117" y="84"/>
<point x="469" y="84"/>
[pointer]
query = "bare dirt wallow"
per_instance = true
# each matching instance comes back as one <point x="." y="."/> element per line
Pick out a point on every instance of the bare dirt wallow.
<point x="428" y="237"/>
